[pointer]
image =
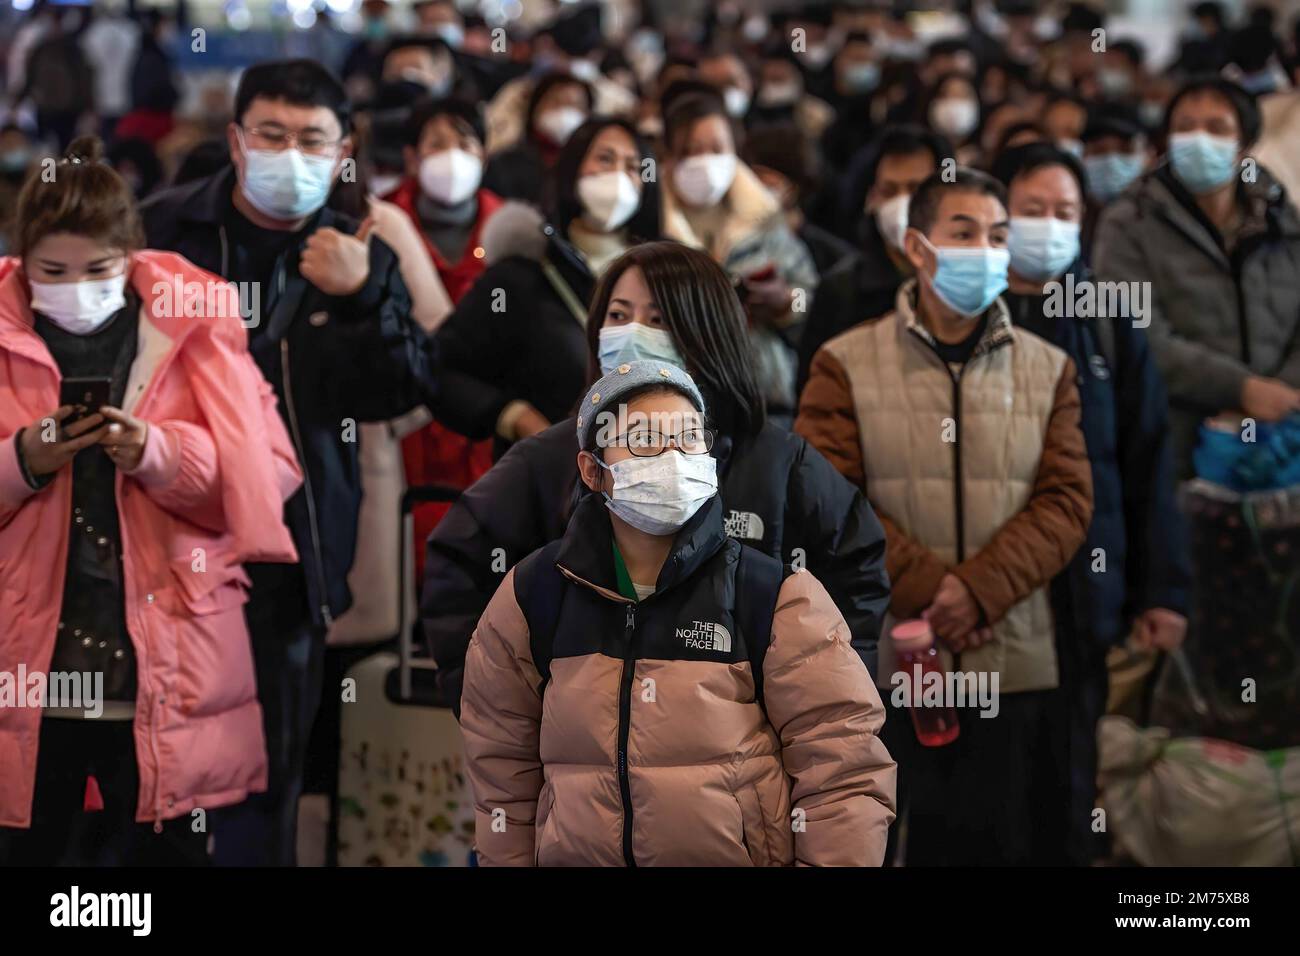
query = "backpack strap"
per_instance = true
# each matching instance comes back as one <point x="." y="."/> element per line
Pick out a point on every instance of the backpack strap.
<point x="1106" y="341"/>
<point x="539" y="589"/>
<point x="758" y="583"/>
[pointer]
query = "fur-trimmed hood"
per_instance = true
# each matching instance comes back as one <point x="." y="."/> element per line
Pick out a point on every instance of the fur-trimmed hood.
<point x="516" y="229"/>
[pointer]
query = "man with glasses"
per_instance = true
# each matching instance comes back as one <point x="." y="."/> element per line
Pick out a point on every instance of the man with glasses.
<point x="329" y="324"/>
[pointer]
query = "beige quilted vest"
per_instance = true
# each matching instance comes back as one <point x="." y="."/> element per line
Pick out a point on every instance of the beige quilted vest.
<point x="919" y="422"/>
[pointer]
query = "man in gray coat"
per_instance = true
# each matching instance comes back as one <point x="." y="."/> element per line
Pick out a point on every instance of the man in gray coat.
<point x="1207" y="249"/>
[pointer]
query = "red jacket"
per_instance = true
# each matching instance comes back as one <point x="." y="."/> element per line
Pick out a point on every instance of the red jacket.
<point x="459" y="276"/>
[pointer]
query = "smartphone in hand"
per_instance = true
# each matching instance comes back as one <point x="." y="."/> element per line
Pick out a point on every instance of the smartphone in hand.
<point x="85" y="395"/>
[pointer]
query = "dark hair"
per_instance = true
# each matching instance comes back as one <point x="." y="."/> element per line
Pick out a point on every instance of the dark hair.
<point x="299" y="82"/>
<point x="547" y="83"/>
<point x="1242" y="103"/>
<point x="203" y="159"/>
<point x="426" y="111"/>
<point x="434" y="44"/>
<point x="85" y="197"/>
<point x="785" y="148"/>
<point x="707" y="324"/>
<point x="906" y="139"/>
<point x="564" y="205"/>
<point x="1014" y="130"/>
<point x="677" y="89"/>
<point x="140" y="154"/>
<point x="1022" y="160"/>
<point x="688" y="110"/>
<point x="1209" y="10"/>
<point x="949" y="46"/>
<point x="924" y="207"/>
<point x="1131" y="50"/>
<point x="1251" y="47"/>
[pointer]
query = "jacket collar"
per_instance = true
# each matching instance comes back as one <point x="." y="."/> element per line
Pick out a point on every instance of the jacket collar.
<point x="160" y="279"/>
<point x="586" y="550"/>
<point x="997" y="333"/>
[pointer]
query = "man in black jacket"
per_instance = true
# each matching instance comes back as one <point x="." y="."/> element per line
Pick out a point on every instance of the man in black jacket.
<point x="874" y="206"/>
<point x="329" y="325"/>
<point x="1131" y="576"/>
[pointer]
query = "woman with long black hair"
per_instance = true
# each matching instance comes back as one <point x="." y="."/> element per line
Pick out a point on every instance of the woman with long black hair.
<point x="663" y="301"/>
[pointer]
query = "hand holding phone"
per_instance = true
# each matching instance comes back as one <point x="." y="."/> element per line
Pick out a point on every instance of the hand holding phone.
<point x="50" y="442"/>
<point x="85" y="396"/>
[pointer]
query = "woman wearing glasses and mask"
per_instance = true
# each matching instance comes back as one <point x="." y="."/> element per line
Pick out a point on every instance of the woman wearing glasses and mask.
<point x="663" y="301"/>
<point x="647" y="691"/>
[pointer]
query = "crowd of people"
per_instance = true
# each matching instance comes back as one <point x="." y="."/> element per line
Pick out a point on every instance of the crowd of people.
<point x="746" y="337"/>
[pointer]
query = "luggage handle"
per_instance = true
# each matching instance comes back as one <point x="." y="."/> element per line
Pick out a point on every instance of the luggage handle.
<point x="412" y="496"/>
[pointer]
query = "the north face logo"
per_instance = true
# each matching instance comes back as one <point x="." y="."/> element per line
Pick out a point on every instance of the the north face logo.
<point x="744" y="525"/>
<point x="705" y="636"/>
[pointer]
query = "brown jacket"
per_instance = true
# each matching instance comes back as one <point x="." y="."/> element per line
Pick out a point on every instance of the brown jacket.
<point x="639" y="747"/>
<point x="898" y="421"/>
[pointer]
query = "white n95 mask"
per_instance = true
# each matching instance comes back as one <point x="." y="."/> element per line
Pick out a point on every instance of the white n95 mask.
<point x="702" y="181"/>
<point x="450" y="176"/>
<point x="609" y="199"/>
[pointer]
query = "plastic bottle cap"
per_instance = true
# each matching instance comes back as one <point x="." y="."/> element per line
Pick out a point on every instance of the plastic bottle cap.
<point x="914" y="635"/>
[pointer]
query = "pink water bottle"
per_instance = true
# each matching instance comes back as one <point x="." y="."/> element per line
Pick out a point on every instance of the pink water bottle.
<point x="917" y="659"/>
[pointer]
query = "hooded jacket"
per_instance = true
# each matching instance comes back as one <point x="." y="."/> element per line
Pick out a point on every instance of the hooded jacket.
<point x="626" y="740"/>
<point x="1216" y="316"/>
<point x="216" y="469"/>
<point x="778" y="495"/>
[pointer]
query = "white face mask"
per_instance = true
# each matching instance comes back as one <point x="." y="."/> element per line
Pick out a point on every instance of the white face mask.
<point x="703" y="180"/>
<point x="778" y="95"/>
<point x="954" y="116"/>
<point x="609" y="199"/>
<point x="450" y="176"/>
<point x="79" y="307"/>
<point x="558" y="124"/>
<point x="891" y="219"/>
<point x="658" y="495"/>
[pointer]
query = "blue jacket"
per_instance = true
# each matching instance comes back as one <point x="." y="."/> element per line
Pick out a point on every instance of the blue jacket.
<point x="1135" y="521"/>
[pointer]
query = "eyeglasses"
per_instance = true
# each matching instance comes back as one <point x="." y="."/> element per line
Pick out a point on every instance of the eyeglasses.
<point x="278" y="138"/>
<point x="645" y="443"/>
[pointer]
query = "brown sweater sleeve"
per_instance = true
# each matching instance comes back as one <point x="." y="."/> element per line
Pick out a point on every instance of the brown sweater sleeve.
<point x="828" y="420"/>
<point x="1033" y="547"/>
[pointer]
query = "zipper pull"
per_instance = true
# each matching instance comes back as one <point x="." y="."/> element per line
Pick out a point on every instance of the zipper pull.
<point x="631" y="616"/>
<point x="325" y="614"/>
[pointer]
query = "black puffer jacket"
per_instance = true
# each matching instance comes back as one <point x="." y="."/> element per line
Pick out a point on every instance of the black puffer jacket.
<point x="359" y="357"/>
<point x="516" y="336"/>
<point x="779" y="495"/>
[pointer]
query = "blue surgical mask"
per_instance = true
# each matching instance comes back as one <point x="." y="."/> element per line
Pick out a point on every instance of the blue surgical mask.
<point x="968" y="279"/>
<point x="1203" y="162"/>
<point x="1111" y="174"/>
<point x="862" y="77"/>
<point x="1042" y="247"/>
<point x="287" y="184"/>
<point x="634" y="342"/>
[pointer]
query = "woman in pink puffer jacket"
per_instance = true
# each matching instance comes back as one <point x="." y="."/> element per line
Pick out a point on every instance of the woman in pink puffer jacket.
<point x="122" y="536"/>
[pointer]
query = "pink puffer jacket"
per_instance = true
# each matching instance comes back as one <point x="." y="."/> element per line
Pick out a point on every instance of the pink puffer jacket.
<point x="207" y="496"/>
